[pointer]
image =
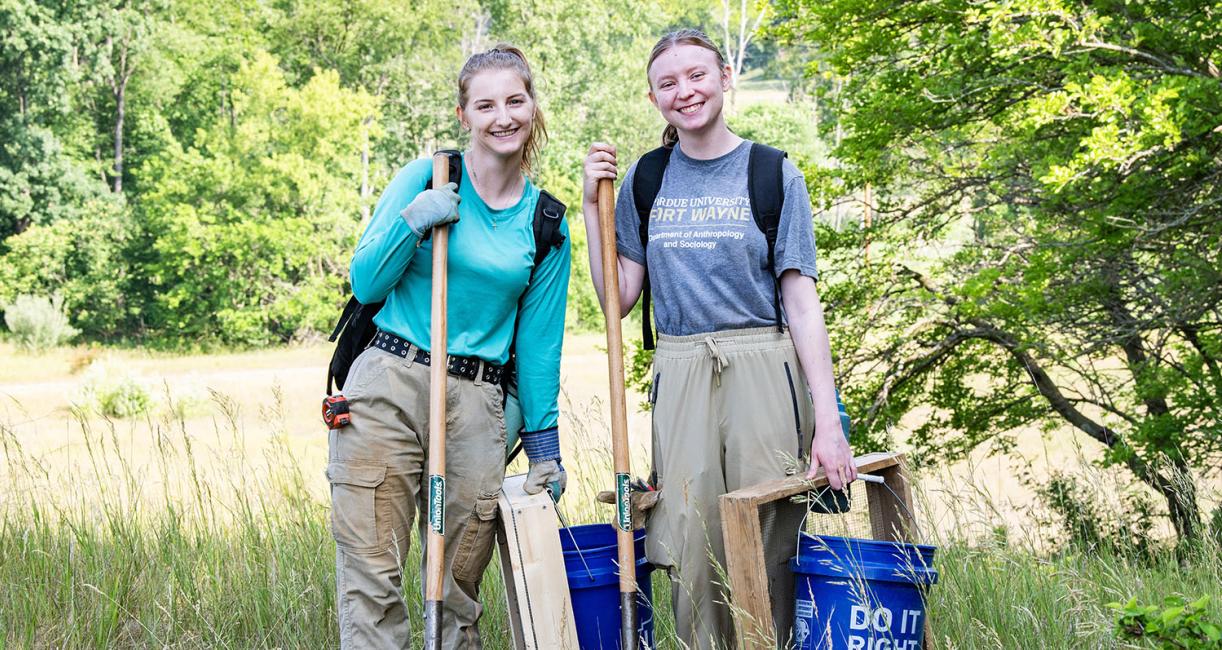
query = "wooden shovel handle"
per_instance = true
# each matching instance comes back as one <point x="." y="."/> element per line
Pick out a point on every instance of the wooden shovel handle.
<point x="435" y="490"/>
<point x="619" y="413"/>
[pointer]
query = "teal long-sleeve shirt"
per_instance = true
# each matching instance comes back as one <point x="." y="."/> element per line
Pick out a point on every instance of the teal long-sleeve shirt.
<point x="490" y="285"/>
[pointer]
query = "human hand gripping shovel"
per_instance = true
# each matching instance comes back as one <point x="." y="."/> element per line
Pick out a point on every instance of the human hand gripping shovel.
<point x="435" y="548"/>
<point x="619" y="416"/>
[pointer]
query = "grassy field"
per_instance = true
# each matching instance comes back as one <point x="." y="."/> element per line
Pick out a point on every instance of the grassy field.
<point x="202" y="523"/>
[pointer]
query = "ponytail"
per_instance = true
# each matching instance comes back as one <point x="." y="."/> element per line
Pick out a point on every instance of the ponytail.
<point x="670" y="135"/>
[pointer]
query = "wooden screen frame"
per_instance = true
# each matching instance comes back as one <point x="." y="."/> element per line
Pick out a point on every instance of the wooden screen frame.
<point x="890" y="520"/>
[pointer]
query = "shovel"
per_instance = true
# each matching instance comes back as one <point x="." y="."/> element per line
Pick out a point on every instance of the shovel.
<point x="619" y="416"/>
<point x="436" y="541"/>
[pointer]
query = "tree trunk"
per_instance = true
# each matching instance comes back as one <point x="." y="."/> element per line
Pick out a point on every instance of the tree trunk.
<point x="120" y="110"/>
<point x="1178" y="489"/>
<point x="365" y="189"/>
<point x="1171" y="480"/>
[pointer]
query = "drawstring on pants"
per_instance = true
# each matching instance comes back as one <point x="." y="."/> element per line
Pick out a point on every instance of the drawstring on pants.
<point x="719" y="360"/>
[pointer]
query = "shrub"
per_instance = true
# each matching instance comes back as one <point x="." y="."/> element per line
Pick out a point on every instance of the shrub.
<point x="89" y="261"/>
<point x="126" y="398"/>
<point x="38" y="323"/>
<point x="1175" y="624"/>
<point x="1123" y="527"/>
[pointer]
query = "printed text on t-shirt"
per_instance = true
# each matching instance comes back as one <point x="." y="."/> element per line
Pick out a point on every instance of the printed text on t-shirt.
<point x="700" y="209"/>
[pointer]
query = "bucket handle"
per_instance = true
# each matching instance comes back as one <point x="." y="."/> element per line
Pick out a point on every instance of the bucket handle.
<point x="565" y="525"/>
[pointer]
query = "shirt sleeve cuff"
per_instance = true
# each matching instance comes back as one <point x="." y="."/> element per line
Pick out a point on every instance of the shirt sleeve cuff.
<point x="542" y="445"/>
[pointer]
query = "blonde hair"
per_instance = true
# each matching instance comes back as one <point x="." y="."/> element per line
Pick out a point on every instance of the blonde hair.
<point x="504" y="56"/>
<point x="689" y="36"/>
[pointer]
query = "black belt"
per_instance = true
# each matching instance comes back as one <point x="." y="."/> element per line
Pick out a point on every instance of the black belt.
<point x="466" y="367"/>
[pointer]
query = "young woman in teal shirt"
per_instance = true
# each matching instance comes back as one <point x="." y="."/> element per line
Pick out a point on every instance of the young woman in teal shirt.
<point x="496" y="296"/>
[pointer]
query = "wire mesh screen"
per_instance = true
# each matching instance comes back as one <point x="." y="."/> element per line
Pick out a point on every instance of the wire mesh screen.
<point x="853" y="522"/>
<point x="818" y="512"/>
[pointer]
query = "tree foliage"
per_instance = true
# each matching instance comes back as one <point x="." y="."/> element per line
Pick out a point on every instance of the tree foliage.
<point x="199" y="172"/>
<point x="256" y="256"/>
<point x="1049" y="224"/>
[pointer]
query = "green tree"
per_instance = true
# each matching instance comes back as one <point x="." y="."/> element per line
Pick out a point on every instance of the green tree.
<point x="42" y="178"/>
<point x="119" y="36"/>
<point x="1048" y="228"/>
<point x="251" y="224"/>
<point x="407" y="53"/>
<point x="86" y="261"/>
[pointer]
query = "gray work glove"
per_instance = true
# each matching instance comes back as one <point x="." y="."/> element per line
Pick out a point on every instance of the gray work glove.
<point x="546" y="474"/>
<point x="431" y="208"/>
<point x="640" y="503"/>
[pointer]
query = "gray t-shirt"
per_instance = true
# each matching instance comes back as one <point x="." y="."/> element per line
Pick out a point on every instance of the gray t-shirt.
<point x="708" y="261"/>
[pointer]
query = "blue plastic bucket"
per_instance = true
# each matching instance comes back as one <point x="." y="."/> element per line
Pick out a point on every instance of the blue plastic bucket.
<point x="860" y="594"/>
<point x="594" y="586"/>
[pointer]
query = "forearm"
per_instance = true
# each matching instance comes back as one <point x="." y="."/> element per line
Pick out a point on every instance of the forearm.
<point x="380" y="260"/>
<point x="388" y="244"/>
<point x="808" y="329"/>
<point x="630" y="281"/>
<point x="540" y="339"/>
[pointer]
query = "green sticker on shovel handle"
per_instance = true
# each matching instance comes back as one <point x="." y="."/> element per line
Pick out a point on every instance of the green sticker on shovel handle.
<point x="623" y="502"/>
<point x="437" y="504"/>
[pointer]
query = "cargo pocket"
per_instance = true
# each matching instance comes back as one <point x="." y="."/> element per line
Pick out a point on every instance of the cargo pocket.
<point x="659" y="548"/>
<point x="354" y="521"/>
<point x="475" y="544"/>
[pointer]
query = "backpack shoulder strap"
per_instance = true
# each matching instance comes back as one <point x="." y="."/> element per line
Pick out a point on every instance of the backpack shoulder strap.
<point x="455" y="158"/>
<point x="766" y="190"/>
<point x="646" y="183"/>
<point x="549" y="214"/>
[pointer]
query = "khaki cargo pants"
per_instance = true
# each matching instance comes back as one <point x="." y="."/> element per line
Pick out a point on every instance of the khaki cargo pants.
<point x="731" y="409"/>
<point x="377" y="468"/>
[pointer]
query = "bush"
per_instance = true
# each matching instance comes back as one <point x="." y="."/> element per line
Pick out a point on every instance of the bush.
<point x="1123" y="527"/>
<point x="38" y="323"/>
<point x="124" y="399"/>
<point x="1175" y="624"/>
<point x="89" y="261"/>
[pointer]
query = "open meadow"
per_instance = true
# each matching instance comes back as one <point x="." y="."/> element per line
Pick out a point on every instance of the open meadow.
<point x="1018" y="218"/>
<point x="202" y="521"/>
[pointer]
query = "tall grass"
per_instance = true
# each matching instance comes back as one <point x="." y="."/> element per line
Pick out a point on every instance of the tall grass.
<point x="179" y="553"/>
<point x="212" y="548"/>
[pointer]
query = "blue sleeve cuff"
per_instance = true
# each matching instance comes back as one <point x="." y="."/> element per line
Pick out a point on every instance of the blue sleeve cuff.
<point x="542" y="445"/>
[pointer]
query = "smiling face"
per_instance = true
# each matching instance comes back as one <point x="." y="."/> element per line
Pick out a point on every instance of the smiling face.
<point x="499" y="112"/>
<point x="688" y="86"/>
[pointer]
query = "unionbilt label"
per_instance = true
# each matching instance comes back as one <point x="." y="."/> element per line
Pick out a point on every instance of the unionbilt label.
<point x="623" y="502"/>
<point x="437" y="504"/>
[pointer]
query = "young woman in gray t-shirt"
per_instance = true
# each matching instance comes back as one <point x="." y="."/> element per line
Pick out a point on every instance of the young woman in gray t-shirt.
<point x="735" y="397"/>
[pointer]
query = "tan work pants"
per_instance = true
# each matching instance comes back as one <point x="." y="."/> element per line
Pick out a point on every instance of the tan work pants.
<point x="377" y="468"/>
<point x="731" y="409"/>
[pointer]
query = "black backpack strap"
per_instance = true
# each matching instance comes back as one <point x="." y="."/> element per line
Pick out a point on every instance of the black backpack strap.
<point x="455" y="158"/>
<point x="646" y="183"/>
<point x="766" y="189"/>
<point x="349" y="309"/>
<point x="549" y="214"/>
